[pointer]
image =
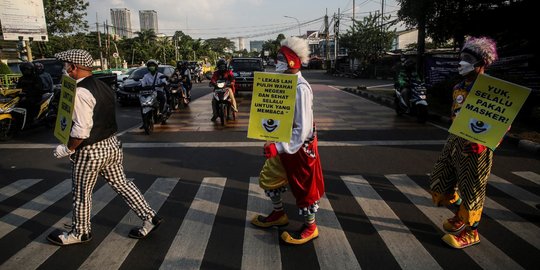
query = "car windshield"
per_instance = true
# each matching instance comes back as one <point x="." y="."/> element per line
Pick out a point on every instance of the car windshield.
<point x="246" y="65"/>
<point x="139" y="73"/>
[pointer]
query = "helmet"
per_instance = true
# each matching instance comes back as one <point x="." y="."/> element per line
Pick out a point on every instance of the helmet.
<point x="39" y="67"/>
<point x="152" y="62"/>
<point x="221" y="65"/>
<point x="409" y="65"/>
<point x="179" y="64"/>
<point x="27" y="68"/>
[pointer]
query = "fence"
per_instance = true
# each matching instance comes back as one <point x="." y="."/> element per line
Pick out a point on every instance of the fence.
<point x="9" y="80"/>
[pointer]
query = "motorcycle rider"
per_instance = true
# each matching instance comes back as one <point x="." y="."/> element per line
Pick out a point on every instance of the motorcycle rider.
<point x="32" y="90"/>
<point x="46" y="78"/>
<point x="223" y="73"/>
<point x="182" y="74"/>
<point x="406" y="76"/>
<point x="153" y="80"/>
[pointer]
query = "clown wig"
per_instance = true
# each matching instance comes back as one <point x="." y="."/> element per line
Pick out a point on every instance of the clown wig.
<point x="299" y="46"/>
<point x="483" y="48"/>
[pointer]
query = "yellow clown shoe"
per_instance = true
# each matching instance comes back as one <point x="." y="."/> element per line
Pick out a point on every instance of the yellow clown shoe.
<point x="276" y="218"/>
<point x="453" y="224"/>
<point x="306" y="234"/>
<point x="465" y="238"/>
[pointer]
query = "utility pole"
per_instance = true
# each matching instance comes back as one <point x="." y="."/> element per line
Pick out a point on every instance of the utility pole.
<point x="353" y="7"/>
<point x="99" y="43"/>
<point x="108" y="43"/>
<point x="327" y="44"/>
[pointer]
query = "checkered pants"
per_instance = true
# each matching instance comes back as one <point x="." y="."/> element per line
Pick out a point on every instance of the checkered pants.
<point x="102" y="158"/>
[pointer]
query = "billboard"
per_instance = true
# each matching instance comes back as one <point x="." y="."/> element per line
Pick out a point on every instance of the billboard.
<point x="23" y="18"/>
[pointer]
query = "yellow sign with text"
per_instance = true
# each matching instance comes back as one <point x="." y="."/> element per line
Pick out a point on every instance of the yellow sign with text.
<point x="272" y="107"/>
<point x="489" y="109"/>
<point x="64" y="119"/>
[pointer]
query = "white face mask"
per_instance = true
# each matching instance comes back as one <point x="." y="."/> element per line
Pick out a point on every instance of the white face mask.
<point x="281" y="66"/>
<point x="465" y="68"/>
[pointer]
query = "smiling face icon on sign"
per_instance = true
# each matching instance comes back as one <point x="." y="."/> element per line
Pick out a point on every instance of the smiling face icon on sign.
<point x="270" y="124"/>
<point x="63" y="123"/>
<point x="478" y="126"/>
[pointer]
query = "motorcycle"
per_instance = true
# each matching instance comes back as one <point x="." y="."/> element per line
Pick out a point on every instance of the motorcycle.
<point x="14" y="118"/>
<point x="198" y="76"/>
<point x="150" y="109"/>
<point x="178" y="96"/>
<point x="417" y="104"/>
<point x="223" y="106"/>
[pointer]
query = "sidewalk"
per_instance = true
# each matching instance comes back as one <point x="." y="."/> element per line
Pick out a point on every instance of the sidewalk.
<point x="383" y="94"/>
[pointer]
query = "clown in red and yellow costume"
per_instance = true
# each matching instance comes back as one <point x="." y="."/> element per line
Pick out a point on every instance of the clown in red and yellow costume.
<point x="296" y="163"/>
<point x="459" y="178"/>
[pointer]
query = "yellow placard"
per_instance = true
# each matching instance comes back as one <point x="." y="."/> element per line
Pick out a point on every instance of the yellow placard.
<point x="64" y="119"/>
<point x="272" y="106"/>
<point x="489" y="109"/>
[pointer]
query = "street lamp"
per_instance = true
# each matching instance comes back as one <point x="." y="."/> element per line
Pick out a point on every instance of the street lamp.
<point x="299" y="32"/>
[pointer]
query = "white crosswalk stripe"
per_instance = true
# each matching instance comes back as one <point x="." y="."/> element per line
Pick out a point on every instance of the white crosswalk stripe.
<point x="407" y="250"/>
<point x="514" y="191"/>
<point x="187" y="249"/>
<point x="438" y="215"/>
<point x="14" y="219"/>
<point x="116" y="246"/>
<point x="531" y="176"/>
<point x="16" y="187"/>
<point x="261" y="249"/>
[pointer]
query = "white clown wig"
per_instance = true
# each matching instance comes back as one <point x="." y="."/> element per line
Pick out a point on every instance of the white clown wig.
<point x="298" y="46"/>
<point x="483" y="48"/>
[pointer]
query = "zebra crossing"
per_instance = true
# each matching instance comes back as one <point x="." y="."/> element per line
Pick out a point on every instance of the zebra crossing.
<point x="384" y="204"/>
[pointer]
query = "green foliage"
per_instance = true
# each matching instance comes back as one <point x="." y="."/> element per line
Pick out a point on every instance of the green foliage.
<point x="220" y="44"/>
<point x="366" y="40"/>
<point x="455" y="19"/>
<point x="4" y="69"/>
<point x="272" y="46"/>
<point x="66" y="16"/>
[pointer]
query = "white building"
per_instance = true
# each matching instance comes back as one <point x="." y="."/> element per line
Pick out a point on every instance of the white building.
<point x="121" y="20"/>
<point x="148" y="20"/>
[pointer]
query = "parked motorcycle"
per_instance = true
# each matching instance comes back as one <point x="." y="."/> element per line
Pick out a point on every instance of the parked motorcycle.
<point x="223" y="102"/>
<point x="14" y="118"/>
<point x="150" y="109"/>
<point x="417" y="103"/>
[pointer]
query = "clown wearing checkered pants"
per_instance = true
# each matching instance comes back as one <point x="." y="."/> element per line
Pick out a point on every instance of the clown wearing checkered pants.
<point x="95" y="151"/>
<point x="460" y="175"/>
<point x="295" y="164"/>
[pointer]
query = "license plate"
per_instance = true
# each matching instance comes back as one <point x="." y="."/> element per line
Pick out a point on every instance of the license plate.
<point x="146" y="92"/>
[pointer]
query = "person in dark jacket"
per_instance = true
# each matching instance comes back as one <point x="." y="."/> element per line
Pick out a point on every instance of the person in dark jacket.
<point x="31" y="86"/>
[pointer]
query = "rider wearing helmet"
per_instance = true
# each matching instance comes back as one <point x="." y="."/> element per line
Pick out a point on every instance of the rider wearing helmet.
<point x="31" y="86"/>
<point x="223" y="73"/>
<point x="406" y="76"/>
<point x="186" y="77"/>
<point x="46" y="78"/>
<point x="153" y="80"/>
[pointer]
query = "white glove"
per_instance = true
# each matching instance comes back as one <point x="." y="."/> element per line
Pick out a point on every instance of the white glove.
<point x="62" y="151"/>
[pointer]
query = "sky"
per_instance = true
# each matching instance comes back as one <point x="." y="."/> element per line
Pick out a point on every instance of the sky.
<point x="252" y="19"/>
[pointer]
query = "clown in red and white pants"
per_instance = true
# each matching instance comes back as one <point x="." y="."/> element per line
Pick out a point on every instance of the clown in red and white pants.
<point x="302" y="173"/>
<point x="297" y="165"/>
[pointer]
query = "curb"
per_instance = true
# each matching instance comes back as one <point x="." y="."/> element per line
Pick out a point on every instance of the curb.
<point x="522" y="144"/>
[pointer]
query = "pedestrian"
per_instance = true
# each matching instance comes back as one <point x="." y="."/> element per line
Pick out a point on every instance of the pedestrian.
<point x="460" y="175"/>
<point x="95" y="150"/>
<point x="296" y="163"/>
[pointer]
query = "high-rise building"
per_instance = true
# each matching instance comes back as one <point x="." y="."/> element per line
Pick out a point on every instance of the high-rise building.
<point x="148" y="19"/>
<point x="241" y="44"/>
<point x="121" y="20"/>
<point x="256" y="45"/>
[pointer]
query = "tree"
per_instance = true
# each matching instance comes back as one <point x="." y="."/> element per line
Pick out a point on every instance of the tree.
<point x="220" y="44"/>
<point x="366" y="40"/>
<point x="272" y="46"/>
<point x="454" y="19"/>
<point x="64" y="17"/>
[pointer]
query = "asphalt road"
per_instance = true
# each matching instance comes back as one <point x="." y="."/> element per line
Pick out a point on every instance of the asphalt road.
<point x="201" y="178"/>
